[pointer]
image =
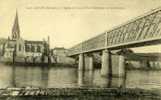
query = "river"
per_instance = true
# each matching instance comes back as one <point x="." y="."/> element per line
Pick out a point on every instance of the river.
<point x="60" y="77"/>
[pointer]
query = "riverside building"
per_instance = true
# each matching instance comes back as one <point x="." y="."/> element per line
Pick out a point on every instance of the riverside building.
<point x="21" y="48"/>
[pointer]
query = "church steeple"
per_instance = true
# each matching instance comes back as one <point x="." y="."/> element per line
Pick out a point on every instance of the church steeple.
<point x="16" y="28"/>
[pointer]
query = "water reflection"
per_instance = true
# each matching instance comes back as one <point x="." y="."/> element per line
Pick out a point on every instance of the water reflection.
<point x="45" y="76"/>
<point x="80" y="78"/>
<point x="144" y="79"/>
<point x="13" y="77"/>
<point x="30" y="76"/>
<point x="118" y="82"/>
<point x="6" y="76"/>
<point x="85" y="78"/>
<point x="94" y="79"/>
<point x="60" y="77"/>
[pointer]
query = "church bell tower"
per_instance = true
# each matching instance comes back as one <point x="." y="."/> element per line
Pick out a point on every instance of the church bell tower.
<point x="16" y="28"/>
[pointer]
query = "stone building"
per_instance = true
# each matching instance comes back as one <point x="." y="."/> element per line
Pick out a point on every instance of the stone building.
<point x="60" y="55"/>
<point x="21" y="47"/>
<point x="2" y="43"/>
<point x="34" y="48"/>
<point x="59" y="51"/>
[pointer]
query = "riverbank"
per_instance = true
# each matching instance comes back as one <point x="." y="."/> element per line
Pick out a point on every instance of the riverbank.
<point x="38" y="64"/>
<point x="80" y="93"/>
<point x="132" y="67"/>
<point x="23" y="62"/>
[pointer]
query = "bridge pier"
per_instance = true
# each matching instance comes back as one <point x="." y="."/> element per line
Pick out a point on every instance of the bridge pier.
<point x="85" y="62"/>
<point x="80" y="77"/>
<point x="121" y="66"/>
<point x="112" y="65"/>
<point x="118" y="65"/>
<point x="106" y="63"/>
<point x="81" y="62"/>
<point x="89" y="62"/>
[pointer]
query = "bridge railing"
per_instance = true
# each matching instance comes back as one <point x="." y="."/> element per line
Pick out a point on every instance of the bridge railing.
<point x="142" y="28"/>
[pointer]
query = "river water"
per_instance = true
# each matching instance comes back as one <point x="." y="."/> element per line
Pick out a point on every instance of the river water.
<point x="60" y="77"/>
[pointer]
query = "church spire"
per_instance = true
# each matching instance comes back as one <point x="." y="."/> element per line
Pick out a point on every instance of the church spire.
<point x="16" y="28"/>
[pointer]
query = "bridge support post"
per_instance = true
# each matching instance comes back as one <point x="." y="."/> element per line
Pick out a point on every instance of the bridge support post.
<point x="106" y="63"/>
<point x="81" y="62"/>
<point x="121" y="66"/>
<point x="118" y="65"/>
<point x="80" y="77"/>
<point x="89" y="62"/>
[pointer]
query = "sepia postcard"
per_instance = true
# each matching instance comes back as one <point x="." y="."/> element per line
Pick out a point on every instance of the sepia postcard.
<point x="80" y="49"/>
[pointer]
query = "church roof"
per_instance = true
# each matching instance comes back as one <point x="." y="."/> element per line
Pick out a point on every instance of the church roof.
<point x="34" y="42"/>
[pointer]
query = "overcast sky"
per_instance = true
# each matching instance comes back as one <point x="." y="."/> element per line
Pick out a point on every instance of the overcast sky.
<point x="67" y="27"/>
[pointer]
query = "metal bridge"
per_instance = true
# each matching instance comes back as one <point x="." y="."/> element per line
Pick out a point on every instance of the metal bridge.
<point x="141" y="31"/>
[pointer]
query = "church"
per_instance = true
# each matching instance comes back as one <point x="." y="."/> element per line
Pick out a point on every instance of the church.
<point x="16" y="46"/>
